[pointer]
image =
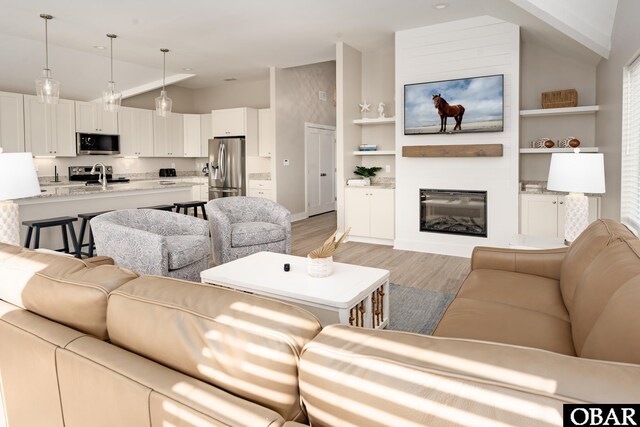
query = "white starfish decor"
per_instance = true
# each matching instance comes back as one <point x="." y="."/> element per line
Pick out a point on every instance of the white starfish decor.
<point x="364" y="107"/>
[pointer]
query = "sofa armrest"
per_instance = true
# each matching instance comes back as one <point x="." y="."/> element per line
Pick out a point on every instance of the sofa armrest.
<point x="426" y="378"/>
<point x="544" y="262"/>
<point x="98" y="260"/>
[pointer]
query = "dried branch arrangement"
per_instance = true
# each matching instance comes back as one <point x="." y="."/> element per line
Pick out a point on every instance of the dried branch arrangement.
<point x="330" y="246"/>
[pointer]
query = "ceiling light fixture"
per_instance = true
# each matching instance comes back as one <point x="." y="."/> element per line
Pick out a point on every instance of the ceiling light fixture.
<point x="163" y="102"/>
<point x="187" y="69"/>
<point x="111" y="98"/>
<point x="48" y="89"/>
<point x="440" y="6"/>
<point x="99" y="47"/>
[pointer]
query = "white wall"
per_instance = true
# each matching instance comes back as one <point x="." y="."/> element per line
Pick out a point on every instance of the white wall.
<point x="254" y="94"/>
<point x="472" y="47"/>
<point x="348" y="135"/>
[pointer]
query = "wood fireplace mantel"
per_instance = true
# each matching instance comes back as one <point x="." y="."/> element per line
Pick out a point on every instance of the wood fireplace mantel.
<point x="460" y="150"/>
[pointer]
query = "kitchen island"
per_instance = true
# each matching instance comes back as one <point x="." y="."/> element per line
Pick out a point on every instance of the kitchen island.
<point x="73" y="199"/>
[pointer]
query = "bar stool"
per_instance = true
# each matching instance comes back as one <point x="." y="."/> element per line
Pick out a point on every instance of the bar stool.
<point x="185" y="206"/>
<point x="168" y="208"/>
<point x="65" y="223"/>
<point x="86" y="217"/>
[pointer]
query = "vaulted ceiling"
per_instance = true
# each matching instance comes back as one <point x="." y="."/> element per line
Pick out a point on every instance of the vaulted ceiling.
<point x="220" y="39"/>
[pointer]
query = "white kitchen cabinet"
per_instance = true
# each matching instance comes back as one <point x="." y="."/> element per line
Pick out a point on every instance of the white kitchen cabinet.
<point x="370" y="212"/>
<point x="261" y="188"/>
<point x="237" y="122"/>
<point x="11" y="122"/>
<point x="265" y="132"/>
<point x="168" y="136"/>
<point x="50" y="129"/>
<point x="92" y="118"/>
<point x="544" y="214"/>
<point x="206" y="133"/>
<point x="192" y="139"/>
<point x="136" y="132"/>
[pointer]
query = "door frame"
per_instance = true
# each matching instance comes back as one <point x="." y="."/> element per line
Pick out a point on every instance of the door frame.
<point x="308" y="126"/>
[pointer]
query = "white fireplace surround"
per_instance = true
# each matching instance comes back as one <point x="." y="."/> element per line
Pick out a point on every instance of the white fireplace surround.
<point x="473" y="47"/>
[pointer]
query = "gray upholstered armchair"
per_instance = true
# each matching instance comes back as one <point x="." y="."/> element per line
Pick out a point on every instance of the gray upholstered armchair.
<point x="241" y="226"/>
<point x="154" y="242"/>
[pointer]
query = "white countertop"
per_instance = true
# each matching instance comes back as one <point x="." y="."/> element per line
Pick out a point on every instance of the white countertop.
<point x="80" y="189"/>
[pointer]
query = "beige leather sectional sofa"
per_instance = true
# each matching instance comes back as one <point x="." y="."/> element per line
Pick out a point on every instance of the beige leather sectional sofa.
<point x="84" y="343"/>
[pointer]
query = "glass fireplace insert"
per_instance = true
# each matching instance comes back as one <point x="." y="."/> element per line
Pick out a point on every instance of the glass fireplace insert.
<point x="454" y="212"/>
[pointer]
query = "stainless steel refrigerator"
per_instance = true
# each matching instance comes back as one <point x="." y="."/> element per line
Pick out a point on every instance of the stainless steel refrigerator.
<point x="227" y="167"/>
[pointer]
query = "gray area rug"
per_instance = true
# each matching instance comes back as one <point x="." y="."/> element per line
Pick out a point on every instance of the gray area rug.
<point x="416" y="310"/>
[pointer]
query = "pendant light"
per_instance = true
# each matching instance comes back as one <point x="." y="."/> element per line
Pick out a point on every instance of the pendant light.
<point x="163" y="102"/>
<point x="111" y="98"/>
<point x="48" y="89"/>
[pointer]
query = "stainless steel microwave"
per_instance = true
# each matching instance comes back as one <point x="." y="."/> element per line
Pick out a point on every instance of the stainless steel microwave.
<point x="93" y="143"/>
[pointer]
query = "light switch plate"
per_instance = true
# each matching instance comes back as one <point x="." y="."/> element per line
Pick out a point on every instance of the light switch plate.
<point x="387" y="168"/>
<point x="322" y="95"/>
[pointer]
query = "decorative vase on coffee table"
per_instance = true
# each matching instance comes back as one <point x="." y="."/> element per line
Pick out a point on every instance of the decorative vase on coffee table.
<point x="319" y="267"/>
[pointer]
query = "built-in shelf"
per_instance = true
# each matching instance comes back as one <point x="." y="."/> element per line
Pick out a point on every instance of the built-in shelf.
<point x="376" y="121"/>
<point x="557" y="150"/>
<point x="375" y="153"/>
<point x="587" y="109"/>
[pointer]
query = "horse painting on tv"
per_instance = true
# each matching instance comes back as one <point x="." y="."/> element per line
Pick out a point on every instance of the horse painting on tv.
<point x="454" y="106"/>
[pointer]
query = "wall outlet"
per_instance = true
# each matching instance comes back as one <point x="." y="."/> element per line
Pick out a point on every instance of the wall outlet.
<point x="322" y="95"/>
<point x="173" y="165"/>
<point x="285" y="162"/>
<point x="387" y="168"/>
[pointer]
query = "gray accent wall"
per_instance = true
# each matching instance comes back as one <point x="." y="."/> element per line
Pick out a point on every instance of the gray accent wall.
<point x="625" y="45"/>
<point x="295" y="101"/>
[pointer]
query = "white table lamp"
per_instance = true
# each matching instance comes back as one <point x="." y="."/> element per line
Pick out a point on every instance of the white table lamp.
<point x="18" y="179"/>
<point x="576" y="173"/>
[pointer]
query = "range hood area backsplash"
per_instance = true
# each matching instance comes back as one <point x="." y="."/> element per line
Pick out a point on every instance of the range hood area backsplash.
<point x="140" y="168"/>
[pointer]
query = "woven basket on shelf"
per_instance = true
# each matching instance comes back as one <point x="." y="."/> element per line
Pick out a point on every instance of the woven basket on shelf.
<point x="560" y="98"/>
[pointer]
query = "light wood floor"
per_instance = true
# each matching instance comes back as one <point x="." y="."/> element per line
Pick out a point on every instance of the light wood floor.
<point x="421" y="270"/>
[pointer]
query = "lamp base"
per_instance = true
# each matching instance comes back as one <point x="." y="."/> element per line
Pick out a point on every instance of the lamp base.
<point x="9" y="223"/>
<point x="576" y="215"/>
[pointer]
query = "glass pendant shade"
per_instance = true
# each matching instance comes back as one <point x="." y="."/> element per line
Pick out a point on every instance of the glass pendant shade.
<point x="48" y="89"/>
<point x="111" y="98"/>
<point x="163" y="104"/>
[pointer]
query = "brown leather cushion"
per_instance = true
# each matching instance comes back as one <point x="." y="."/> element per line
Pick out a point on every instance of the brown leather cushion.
<point x="534" y="293"/>
<point x="362" y="377"/>
<point x="503" y="323"/>
<point x="610" y="271"/>
<point x="64" y="289"/>
<point x="584" y="249"/>
<point x="614" y="336"/>
<point x="244" y="344"/>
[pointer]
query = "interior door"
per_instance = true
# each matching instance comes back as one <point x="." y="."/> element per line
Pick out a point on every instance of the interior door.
<point x="321" y="177"/>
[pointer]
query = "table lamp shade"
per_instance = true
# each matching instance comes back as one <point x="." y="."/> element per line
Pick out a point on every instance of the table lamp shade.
<point x="18" y="179"/>
<point x="576" y="173"/>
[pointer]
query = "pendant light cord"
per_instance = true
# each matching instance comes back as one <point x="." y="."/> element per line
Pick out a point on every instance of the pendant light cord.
<point x="164" y="67"/>
<point x="46" y="44"/>
<point x="111" y="58"/>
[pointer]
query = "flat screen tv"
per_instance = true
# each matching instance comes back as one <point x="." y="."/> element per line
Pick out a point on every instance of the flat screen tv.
<point x="473" y="104"/>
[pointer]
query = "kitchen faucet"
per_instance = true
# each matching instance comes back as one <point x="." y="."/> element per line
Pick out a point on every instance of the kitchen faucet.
<point x="102" y="177"/>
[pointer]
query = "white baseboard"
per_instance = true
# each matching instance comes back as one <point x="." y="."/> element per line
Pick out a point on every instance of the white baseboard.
<point x="299" y="216"/>
<point x="372" y="240"/>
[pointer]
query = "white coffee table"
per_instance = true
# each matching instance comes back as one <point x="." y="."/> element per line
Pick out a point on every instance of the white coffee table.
<point x="352" y="295"/>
